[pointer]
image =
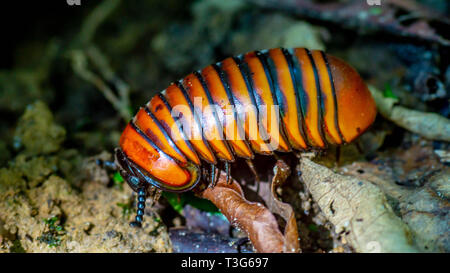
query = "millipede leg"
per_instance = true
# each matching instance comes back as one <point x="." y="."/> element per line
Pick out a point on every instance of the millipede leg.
<point x="157" y="194"/>
<point x="253" y="169"/>
<point x="276" y="156"/>
<point x="213" y="176"/>
<point x="228" y="170"/>
<point x="255" y="173"/>
<point x="140" y="208"/>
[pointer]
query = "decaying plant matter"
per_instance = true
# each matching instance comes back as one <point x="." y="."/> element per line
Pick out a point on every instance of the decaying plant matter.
<point x="256" y="220"/>
<point x="357" y="209"/>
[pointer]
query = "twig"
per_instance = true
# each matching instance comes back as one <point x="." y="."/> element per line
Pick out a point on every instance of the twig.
<point x="88" y="52"/>
<point x="95" y="19"/>
<point x="80" y="66"/>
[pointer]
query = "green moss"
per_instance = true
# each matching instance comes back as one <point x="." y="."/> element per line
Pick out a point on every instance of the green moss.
<point x="52" y="237"/>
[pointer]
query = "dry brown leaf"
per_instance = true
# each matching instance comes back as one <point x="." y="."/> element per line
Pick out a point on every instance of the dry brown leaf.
<point x="253" y="218"/>
<point x="285" y="210"/>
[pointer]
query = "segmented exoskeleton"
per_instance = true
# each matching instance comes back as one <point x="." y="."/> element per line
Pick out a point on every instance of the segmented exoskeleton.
<point x="259" y="102"/>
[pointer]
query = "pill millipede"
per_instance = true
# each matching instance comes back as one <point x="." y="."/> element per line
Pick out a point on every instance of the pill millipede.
<point x="277" y="100"/>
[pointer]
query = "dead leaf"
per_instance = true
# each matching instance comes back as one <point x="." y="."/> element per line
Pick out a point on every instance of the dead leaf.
<point x="423" y="203"/>
<point x="358" y="209"/>
<point x="253" y="218"/>
<point x="285" y="210"/>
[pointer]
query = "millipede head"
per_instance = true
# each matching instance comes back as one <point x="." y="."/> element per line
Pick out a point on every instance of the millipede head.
<point x="151" y="165"/>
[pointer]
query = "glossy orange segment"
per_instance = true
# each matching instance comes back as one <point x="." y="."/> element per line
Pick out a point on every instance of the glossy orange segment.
<point x="312" y="114"/>
<point x="212" y="131"/>
<point x="155" y="162"/>
<point x="180" y="107"/>
<point x="156" y="135"/>
<point x="270" y="118"/>
<point x="164" y="116"/>
<point x="233" y="135"/>
<point x="286" y="85"/>
<point x="356" y="107"/>
<point x="322" y="99"/>
<point x="246" y="110"/>
<point x="328" y="98"/>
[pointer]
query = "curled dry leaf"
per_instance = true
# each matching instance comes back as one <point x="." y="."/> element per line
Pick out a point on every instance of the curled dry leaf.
<point x="429" y="125"/>
<point x="358" y="209"/>
<point x="253" y="218"/>
<point x="282" y="171"/>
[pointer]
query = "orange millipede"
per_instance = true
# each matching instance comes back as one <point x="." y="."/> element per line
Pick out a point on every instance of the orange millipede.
<point x="256" y="103"/>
